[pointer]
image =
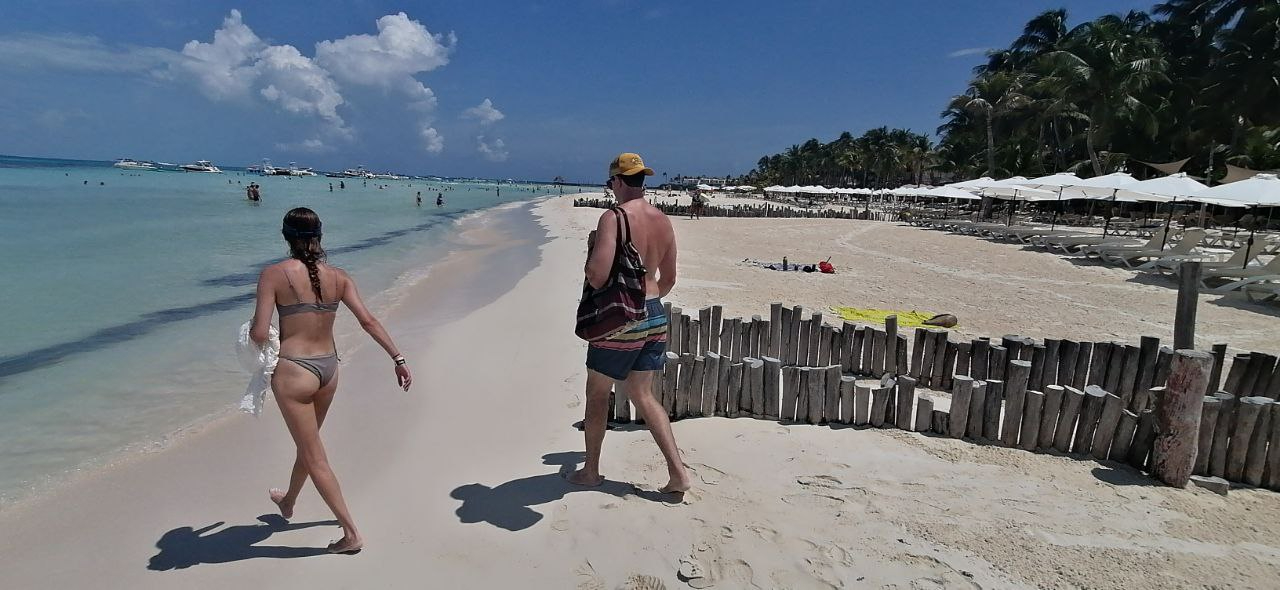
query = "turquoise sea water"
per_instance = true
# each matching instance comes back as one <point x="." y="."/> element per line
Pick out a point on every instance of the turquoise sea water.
<point x="124" y="291"/>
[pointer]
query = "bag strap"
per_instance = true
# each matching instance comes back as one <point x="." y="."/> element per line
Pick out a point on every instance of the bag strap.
<point x="620" y="216"/>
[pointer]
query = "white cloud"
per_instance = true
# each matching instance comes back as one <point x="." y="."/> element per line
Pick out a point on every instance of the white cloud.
<point x="969" y="51"/>
<point x="495" y="151"/>
<point x="420" y="97"/>
<point x="298" y="85"/>
<point x="432" y="141"/>
<point x="484" y="112"/>
<point x="225" y="67"/>
<point x="401" y="49"/>
<point x="79" y="54"/>
<point x="311" y="146"/>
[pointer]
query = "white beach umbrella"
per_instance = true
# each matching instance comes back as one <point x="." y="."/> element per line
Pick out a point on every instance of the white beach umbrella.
<point x="1013" y="188"/>
<point x="1058" y="181"/>
<point x="948" y="192"/>
<point x="775" y="189"/>
<point x="1261" y="190"/>
<point x="1166" y="188"/>
<point x="746" y="187"/>
<point x="971" y="184"/>
<point x="1100" y="187"/>
<point x="706" y="187"/>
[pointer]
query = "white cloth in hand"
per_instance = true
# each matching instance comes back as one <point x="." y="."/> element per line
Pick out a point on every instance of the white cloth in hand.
<point x="260" y="362"/>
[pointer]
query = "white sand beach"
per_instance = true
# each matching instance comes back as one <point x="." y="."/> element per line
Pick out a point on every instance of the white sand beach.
<point x="457" y="484"/>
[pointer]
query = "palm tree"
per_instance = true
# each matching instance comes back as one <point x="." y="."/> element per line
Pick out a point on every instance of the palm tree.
<point x="1107" y="65"/>
<point x="991" y="96"/>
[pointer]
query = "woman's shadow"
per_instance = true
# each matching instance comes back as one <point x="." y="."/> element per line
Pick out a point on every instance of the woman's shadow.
<point x="508" y="505"/>
<point x="184" y="547"/>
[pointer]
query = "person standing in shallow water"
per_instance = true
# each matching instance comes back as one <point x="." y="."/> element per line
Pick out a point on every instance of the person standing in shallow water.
<point x="629" y="359"/>
<point x="306" y="378"/>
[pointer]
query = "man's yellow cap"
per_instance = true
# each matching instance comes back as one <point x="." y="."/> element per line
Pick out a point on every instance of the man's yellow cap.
<point x="627" y="164"/>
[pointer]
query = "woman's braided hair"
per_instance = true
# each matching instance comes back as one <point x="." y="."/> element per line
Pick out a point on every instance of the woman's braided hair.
<point x="302" y="231"/>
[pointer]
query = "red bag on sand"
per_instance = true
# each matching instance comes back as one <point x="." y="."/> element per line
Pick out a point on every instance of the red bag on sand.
<point x="825" y="267"/>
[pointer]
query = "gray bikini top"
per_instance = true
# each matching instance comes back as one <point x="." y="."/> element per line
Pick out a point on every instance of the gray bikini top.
<point x="304" y="306"/>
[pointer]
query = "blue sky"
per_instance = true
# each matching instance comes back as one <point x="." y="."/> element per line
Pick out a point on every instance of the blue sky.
<point x="697" y="87"/>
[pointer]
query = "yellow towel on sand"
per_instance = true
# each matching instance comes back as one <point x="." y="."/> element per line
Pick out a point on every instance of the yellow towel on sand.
<point x="906" y="319"/>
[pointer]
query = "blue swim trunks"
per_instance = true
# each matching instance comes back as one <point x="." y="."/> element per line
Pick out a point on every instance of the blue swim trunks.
<point x="641" y="348"/>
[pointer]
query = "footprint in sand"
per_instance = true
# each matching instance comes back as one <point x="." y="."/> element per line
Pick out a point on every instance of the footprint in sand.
<point x="588" y="579"/>
<point x="692" y="573"/>
<point x="577" y="401"/>
<point x="737" y="573"/>
<point x="708" y="474"/>
<point x="642" y="582"/>
<point x="820" y="501"/>
<point x="560" y="521"/>
<point x="765" y="532"/>
<point x="821" y="481"/>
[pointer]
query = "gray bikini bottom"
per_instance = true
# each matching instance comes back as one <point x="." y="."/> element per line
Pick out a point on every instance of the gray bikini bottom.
<point x="323" y="367"/>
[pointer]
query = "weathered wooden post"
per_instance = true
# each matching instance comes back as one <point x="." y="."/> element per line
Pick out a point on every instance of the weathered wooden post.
<point x="891" y="345"/>
<point x="772" y="384"/>
<point x="917" y="352"/>
<point x="711" y="384"/>
<point x="1256" y="460"/>
<point x="1049" y="413"/>
<point x="831" y="395"/>
<point x="924" y="414"/>
<point x="670" y="374"/>
<point x="775" y="330"/>
<point x="735" y="389"/>
<point x="1204" y="443"/>
<point x="1143" y="438"/>
<point x="1222" y="434"/>
<point x="861" y="404"/>
<point x="1246" y="419"/>
<point x="790" y="393"/>
<point x="1090" y="412"/>
<point x="1072" y="400"/>
<point x="1103" y="435"/>
<point x="1124" y="436"/>
<point x="977" y="408"/>
<point x="880" y="401"/>
<point x="1032" y="408"/>
<point x="1015" y="393"/>
<point x="991" y="414"/>
<point x="696" y="386"/>
<point x="1178" y="413"/>
<point x="846" y="399"/>
<point x="906" y="401"/>
<point x="1184" y="319"/>
<point x="961" y="396"/>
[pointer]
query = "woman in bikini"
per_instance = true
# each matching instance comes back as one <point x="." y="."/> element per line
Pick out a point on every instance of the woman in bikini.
<point x="305" y="379"/>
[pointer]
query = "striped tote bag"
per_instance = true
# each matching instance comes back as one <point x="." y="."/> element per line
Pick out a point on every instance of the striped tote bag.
<point x="619" y="303"/>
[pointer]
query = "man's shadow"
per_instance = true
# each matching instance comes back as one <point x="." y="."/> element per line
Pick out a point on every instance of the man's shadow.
<point x="508" y="505"/>
<point x="184" y="547"/>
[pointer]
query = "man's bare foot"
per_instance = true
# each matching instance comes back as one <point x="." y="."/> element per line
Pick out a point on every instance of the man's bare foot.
<point x="347" y="545"/>
<point x="286" y="506"/>
<point x="582" y="478"/>
<point x="677" y="485"/>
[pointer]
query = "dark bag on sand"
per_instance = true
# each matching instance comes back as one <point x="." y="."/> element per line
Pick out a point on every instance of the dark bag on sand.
<point x="620" y="302"/>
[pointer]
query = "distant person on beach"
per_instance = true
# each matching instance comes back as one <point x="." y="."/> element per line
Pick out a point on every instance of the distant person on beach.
<point x="630" y="358"/>
<point x="304" y="386"/>
<point x="342" y="185"/>
<point x="696" y="205"/>
<point x="439" y="199"/>
<point x="419" y="198"/>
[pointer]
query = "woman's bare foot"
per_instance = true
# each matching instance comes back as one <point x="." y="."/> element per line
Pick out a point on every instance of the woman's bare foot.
<point x="347" y="545"/>
<point x="286" y="506"/>
<point x="582" y="478"/>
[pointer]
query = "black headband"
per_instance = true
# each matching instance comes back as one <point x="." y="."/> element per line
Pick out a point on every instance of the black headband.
<point x="292" y="232"/>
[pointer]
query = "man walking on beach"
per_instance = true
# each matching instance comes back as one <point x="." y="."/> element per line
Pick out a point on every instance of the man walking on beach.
<point x="629" y="359"/>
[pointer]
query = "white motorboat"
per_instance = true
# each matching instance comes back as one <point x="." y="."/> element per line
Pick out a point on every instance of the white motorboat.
<point x="201" y="166"/>
<point x="294" y="170"/>
<point x="357" y="172"/>
<point x="131" y="164"/>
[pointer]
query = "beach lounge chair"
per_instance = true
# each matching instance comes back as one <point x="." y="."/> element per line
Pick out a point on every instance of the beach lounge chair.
<point x="1256" y="283"/>
<point x="1236" y="274"/>
<point x="1127" y="256"/>
<point x="1262" y="292"/>
<point x="1238" y="259"/>
<point x="1096" y="248"/>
